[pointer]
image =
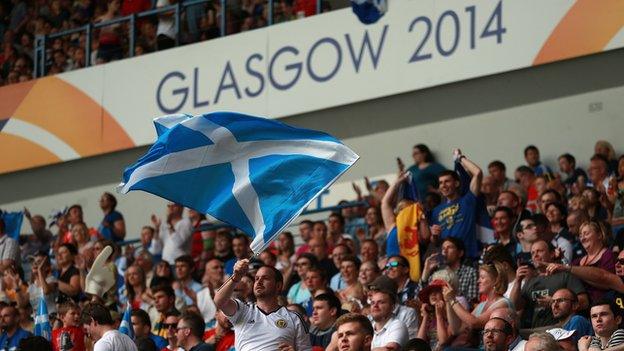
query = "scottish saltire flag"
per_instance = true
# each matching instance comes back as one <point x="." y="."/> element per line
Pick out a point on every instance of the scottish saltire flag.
<point x="42" y="323"/>
<point x="484" y="230"/>
<point x="253" y="173"/>
<point x="408" y="189"/>
<point x="13" y="223"/>
<point x="125" y="326"/>
<point x="369" y="11"/>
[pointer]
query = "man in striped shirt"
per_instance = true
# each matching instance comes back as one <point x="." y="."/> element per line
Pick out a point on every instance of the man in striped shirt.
<point x="605" y="323"/>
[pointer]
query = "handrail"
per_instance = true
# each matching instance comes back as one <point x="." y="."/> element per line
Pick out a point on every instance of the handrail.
<point x="41" y="41"/>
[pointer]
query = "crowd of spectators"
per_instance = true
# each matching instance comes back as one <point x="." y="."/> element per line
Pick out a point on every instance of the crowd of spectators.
<point x="22" y="20"/>
<point x="544" y="271"/>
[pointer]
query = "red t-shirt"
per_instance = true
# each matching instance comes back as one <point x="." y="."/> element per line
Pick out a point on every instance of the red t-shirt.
<point x="307" y="6"/>
<point x="129" y="7"/>
<point x="75" y="333"/>
<point x="226" y="342"/>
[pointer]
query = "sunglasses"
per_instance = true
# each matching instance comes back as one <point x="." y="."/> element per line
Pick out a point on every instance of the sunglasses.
<point x="620" y="261"/>
<point x="394" y="264"/>
<point x="169" y="325"/>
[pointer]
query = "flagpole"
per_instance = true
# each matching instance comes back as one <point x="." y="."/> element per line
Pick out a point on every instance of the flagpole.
<point x="255" y="255"/>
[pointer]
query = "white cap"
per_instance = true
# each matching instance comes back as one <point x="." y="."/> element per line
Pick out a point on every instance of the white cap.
<point x="560" y="334"/>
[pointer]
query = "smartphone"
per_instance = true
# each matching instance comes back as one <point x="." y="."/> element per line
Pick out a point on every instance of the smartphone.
<point x="400" y="164"/>
<point x="441" y="259"/>
<point x="522" y="261"/>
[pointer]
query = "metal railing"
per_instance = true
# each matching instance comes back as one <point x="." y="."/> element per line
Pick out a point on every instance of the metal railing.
<point x="41" y="41"/>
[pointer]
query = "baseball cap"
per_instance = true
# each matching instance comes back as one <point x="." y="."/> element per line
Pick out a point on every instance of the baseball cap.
<point x="384" y="284"/>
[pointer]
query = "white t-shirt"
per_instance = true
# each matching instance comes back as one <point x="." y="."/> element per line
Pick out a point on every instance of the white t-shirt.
<point x="34" y="292"/>
<point x="113" y="340"/>
<point x="255" y="330"/>
<point x="408" y="316"/>
<point x="206" y="305"/>
<point x="177" y="242"/>
<point x="393" y="331"/>
<point x="166" y="23"/>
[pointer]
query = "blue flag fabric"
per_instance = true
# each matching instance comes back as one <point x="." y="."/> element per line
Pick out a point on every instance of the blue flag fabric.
<point x="408" y="190"/>
<point x="369" y="11"/>
<point x="125" y="327"/>
<point x="253" y="173"/>
<point x="42" y="323"/>
<point x="484" y="230"/>
<point x="13" y="223"/>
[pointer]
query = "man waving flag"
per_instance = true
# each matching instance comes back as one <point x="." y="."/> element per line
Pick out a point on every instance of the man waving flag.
<point x="253" y="173"/>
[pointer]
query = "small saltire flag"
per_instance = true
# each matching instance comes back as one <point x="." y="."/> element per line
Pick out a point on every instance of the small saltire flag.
<point x="408" y="236"/>
<point x="408" y="190"/>
<point x="253" y="173"/>
<point x="13" y="223"/>
<point x="125" y="326"/>
<point x="369" y="11"/>
<point x="42" y="323"/>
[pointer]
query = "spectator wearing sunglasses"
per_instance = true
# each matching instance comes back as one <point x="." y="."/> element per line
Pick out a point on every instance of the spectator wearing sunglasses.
<point x="170" y="324"/>
<point x="398" y="270"/>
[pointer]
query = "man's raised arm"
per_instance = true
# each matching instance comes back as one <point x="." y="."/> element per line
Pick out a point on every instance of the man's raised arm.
<point x="223" y="297"/>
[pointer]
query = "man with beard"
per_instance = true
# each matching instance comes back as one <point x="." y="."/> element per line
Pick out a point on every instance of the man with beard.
<point x="11" y="331"/>
<point x="564" y="304"/>
<point x="497" y="335"/>
<point x="264" y="325"/>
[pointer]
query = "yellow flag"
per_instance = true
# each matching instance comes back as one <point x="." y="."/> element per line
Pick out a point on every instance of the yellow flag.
<point x="407" y="222"/>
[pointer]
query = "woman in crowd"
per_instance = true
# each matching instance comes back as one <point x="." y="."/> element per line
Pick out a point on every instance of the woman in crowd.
<point x="80" y="234"/>
<point x="593" y="237"/>
<point x="492" y="284"/>
<point x="135" y="290"/>
<point x="349" y="270"/>
<point x="369" y="270"/>
<point x="69" y="276"/>
<point x="425" y="169"/>
<point x="286" y="251"/>
<point x="42" y="280"/>
<point x="434" y="326"/>
<point x="374" y="226"/>
<point x="299" y="292"/>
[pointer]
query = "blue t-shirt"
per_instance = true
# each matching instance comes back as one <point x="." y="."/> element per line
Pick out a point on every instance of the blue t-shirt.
<point x="160" y="342"/>
<point x="10" y="343"/>
<point x="458" y="219"/>
<point x="428" y="176"/>
<point x="392" y="243"/>
<point x="228" y="266"/>
<point x="581" y="325"/>
<point x="107" y="232"/>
